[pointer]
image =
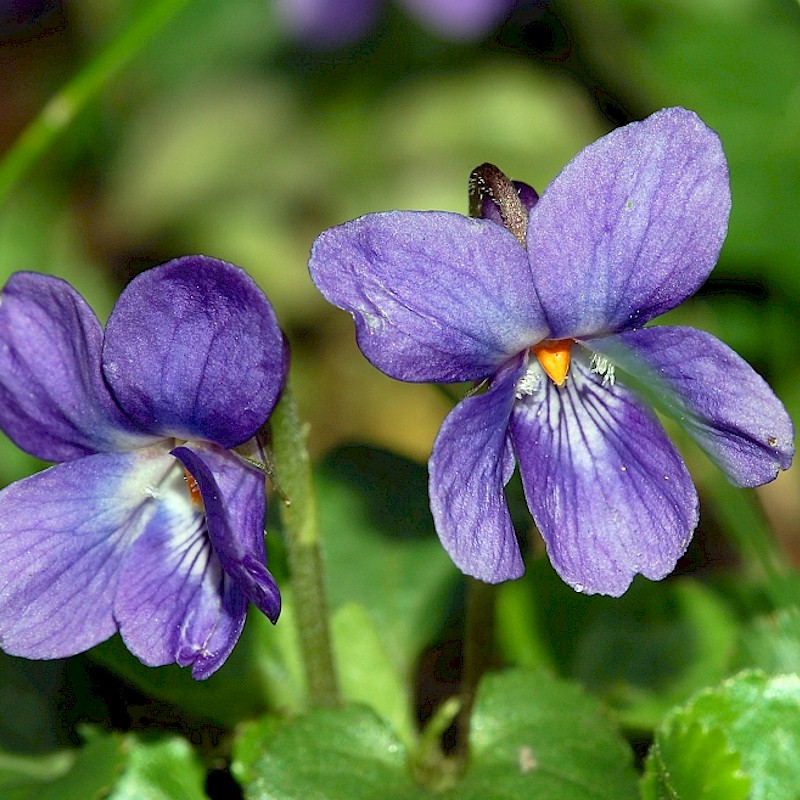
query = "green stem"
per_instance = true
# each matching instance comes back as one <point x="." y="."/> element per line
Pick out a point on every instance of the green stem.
<point x="299" y="515"/>
<point x="477" y="654"/>
<point x="62" y="109"/>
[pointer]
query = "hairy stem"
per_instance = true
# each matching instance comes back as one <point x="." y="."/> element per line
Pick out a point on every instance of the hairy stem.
<point x="299" y="514"/>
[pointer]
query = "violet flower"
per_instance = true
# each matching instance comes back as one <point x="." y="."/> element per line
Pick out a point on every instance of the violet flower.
<point x="548" y="311"/>
<point x="332" y="23"/>
<point x="151" y="524"/>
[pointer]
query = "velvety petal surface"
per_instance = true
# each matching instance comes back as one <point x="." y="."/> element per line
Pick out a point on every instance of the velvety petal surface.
<point x="469" y="468"/>
<point x="53" y="400"/>
<point x="235" y="504"/>
<point x="460" y="19"/>
<point x="193" y="349"/>
<point x="631" y="227"/>
<point x="64" y="534"/>
<point x="435" y="296"/>
<point x="722" y="402"/>
<point x="174" y="603"/>
<point x="608" y="491"/>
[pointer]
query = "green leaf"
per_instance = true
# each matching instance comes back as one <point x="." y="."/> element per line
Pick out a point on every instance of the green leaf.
<point x="365" y="672"/>
<point x="262" y="661"/>
<point x="772" y="642"/>
<point x="642" y="653"/>
<point x="689" y="760"/>
<point x="21" y="777"/>
<point x="532" y="736"/>
<point x="163" y="769"/>
<point x="745" y="732"/>
<point x="535" y="736"/>
<point x="343" y="753"/>
<point x="381" y="549"/>
<point x="107" y="766"/>
<point x="96" y="767"/>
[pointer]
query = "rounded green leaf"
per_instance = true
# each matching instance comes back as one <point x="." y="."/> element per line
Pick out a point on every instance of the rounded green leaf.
<point x="744" y="733"/>
<point x="328" y="753"/>
<point x="365" y="672"/>
<point x="535" y="736"/>
<point x="161" y="769"/>
<point x="532" y="737"/>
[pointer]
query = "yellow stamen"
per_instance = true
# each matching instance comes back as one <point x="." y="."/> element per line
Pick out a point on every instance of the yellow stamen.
<point x="194" y="489"/>
<point x="554" y="358"/>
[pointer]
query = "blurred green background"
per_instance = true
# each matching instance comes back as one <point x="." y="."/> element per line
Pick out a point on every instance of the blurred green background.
<point x="226" y="136"/>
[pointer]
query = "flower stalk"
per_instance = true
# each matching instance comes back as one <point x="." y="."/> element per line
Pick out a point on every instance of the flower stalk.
<point x="299" y="515"/>
<point x="477" y="650"/>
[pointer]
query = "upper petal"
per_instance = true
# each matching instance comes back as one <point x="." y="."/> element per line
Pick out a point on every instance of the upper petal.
<point x="715" y="394"/>
<point x="435" y="296"/>
<point x="235" y="505"/>
<point x="193" y="349"/>
<point x="54" y="402"/>
<point x="608" y="491"/>
<point x="64" y="533"/>
<point x="469" y="468"/>
<point x="631" y="227"/>
<point x="174" y="603"/>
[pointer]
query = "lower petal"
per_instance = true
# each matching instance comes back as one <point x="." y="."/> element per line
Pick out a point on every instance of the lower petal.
<point x="64" y="533"/>
<point x="607" y="489"/>
<point x="469" y="468"/>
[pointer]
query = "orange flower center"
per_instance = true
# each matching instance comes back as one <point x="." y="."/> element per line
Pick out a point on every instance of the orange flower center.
<point x="194" y="489"/>
<point x="553" y="355"/>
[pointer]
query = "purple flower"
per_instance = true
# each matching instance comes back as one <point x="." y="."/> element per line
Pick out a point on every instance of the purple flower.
<point x="631" y="227"/>
<point x="151" y="523"/>
<point x="337" y="22"/>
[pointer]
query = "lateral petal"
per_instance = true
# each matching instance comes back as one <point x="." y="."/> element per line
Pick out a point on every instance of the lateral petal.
<point x="631" y="227"/>
<point x="235" y="504"/>
<point x="721" y="401"/>
<point x="608" y="491"/>
<point x="64" y="534"/>
<point x="435" y="296"/>
<point x="469" y="468"/>
<point x="193" y="350"/>
<point x="54" y="402"/>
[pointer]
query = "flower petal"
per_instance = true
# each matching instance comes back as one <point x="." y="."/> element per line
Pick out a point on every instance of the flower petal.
<point x="193" y="349"/>
<point x="328" y="23"/>
<point x="606" y="488"/>
<point x="631" y="227"/>
<point x="469" y="467"/>
<point x="174" y="603"/>
<point x="64" y="533"/>
<point x="460" y="19"/>
<point x="53" y="400"/>
<point x="235" y="505"/>
<point x="435" y="296"/>
<point x="715" y="394"/>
